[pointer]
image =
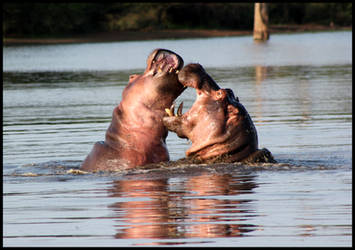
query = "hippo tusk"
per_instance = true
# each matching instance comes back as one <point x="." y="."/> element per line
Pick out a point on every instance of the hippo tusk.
<point x="172" y="109"/>
<point x="168" y="111"/>
<point x="177" y="71"/>
<point x="179" y="111"/>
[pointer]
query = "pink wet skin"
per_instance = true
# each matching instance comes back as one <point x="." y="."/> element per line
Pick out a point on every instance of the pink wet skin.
<point x="217" y="123"/>
<point x="136" y="135"/>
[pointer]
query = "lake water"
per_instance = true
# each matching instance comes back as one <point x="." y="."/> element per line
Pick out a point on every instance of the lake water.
<point x="58" y="101"/>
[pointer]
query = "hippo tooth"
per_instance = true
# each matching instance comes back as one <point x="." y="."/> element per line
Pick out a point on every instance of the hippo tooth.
<point x="168" y="111"/>
<point x="172" y="109"/>
<point x="177" y="71"/>
<point x="170" y="70"/>
<point x="159" y="70"/>
<point x="179" y="111"/>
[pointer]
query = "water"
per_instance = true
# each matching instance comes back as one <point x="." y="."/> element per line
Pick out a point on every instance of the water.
<point x="58" y="101"/>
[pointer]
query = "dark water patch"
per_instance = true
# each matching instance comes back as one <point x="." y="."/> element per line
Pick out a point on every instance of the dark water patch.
<point x="59" y="79"/>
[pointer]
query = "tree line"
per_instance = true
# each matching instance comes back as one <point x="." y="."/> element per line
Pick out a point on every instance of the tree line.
<point x="63" y="19"/>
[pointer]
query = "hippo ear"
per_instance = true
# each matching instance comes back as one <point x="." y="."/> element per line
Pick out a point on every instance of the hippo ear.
<point x="133" y="77"/>
<point x="220" y="94"/>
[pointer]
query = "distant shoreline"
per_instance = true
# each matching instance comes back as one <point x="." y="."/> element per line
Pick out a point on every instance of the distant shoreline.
<point x="165" y="34"/>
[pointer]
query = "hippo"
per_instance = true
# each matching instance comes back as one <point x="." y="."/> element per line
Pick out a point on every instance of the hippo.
<point x="218" y="125"/>
<point x="136" y="135"/>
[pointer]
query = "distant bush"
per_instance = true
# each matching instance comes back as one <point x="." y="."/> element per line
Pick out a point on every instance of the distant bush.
<point x="311" y="13"/>
<point x="55" y="19"/>
<point x="35" y="19"/>
<point x="210" y="15"/>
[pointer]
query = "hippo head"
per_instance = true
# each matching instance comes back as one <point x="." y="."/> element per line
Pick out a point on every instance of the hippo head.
<point x="158" y="86"/>
<point x="217" y="124"/>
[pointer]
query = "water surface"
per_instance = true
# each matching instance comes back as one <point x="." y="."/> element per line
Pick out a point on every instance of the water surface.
<point x="58" y="101"/>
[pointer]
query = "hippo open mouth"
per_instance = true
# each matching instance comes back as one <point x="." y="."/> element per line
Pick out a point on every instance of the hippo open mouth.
<point x="164" y="62"/>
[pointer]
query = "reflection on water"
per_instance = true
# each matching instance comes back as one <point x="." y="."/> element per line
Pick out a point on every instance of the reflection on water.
<point x="238" y="207"/>
<point x="205" y="207"/>
<point x="198" y="207"/>
<point x="148" y="216"/>
<point x="260" y="74"/>
<point x="302" y="94"/>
